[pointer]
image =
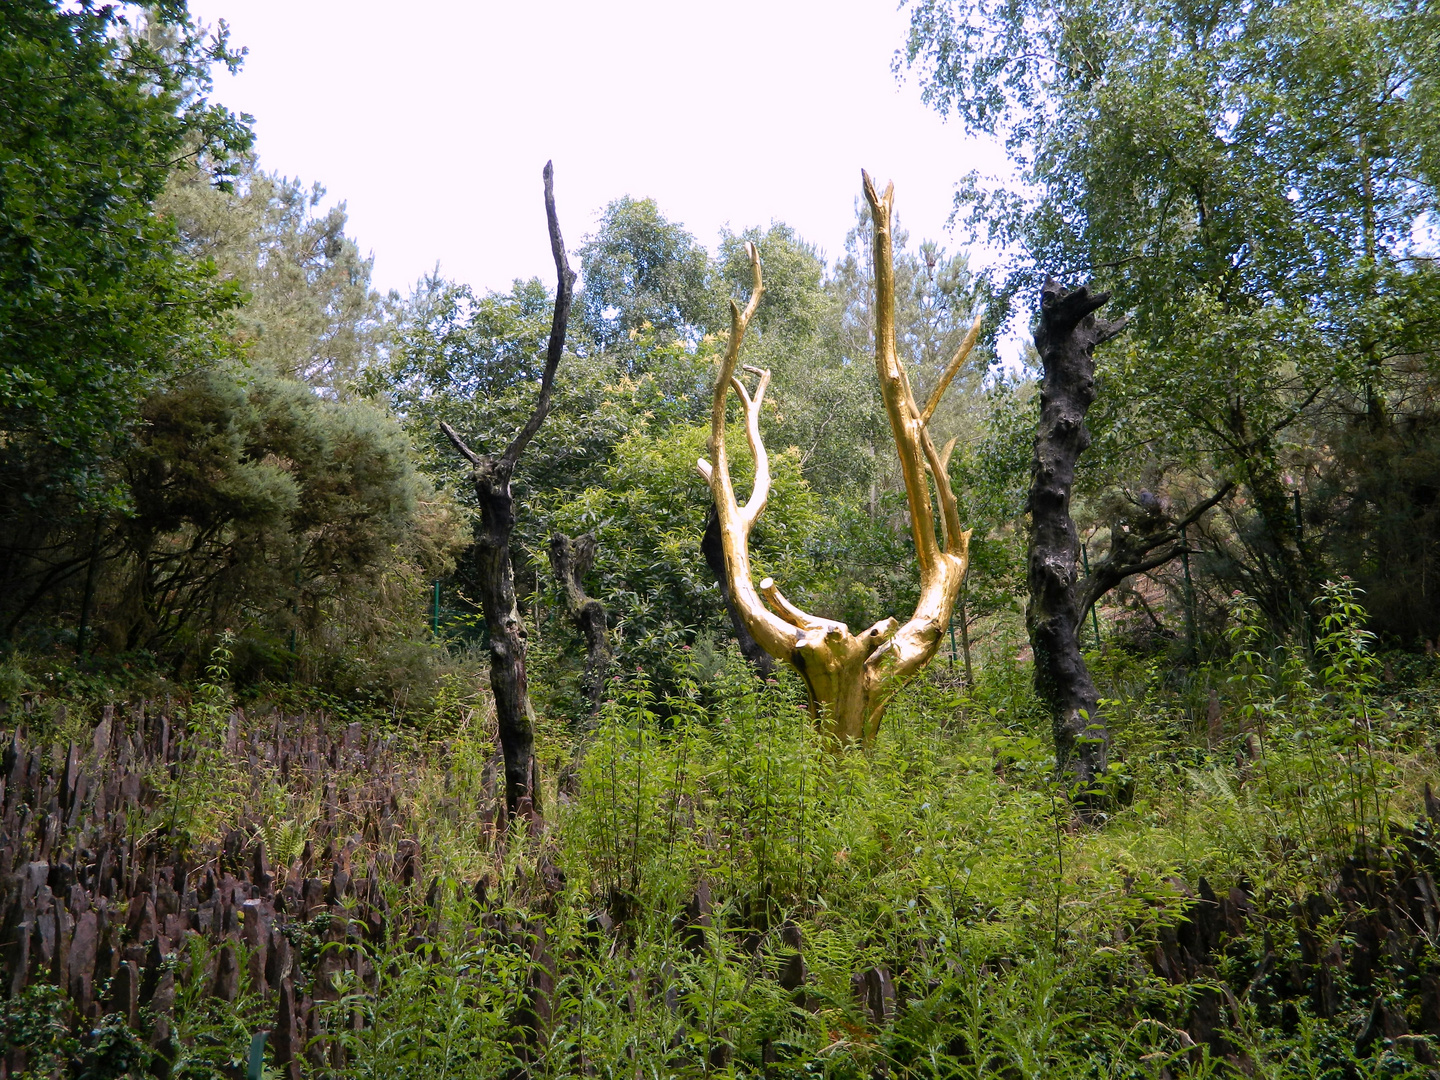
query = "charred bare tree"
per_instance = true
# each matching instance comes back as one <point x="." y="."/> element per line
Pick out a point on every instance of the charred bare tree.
<point x="1144" y="535"/>
<point x="850" y="677"/>
<point x="1146" y="540"/>
<point x="491" y="475"/>
<point x="571" y="560"/>
<point x="1066" y="341"/>
<point x="713" y="549"/>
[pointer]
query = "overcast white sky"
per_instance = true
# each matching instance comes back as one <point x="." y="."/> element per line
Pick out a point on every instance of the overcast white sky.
<point x="433" y="119"/>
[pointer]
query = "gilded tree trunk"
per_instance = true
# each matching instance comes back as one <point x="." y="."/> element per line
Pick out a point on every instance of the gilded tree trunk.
<point x="851" y="677"/>
<point x="1066" y="340"/>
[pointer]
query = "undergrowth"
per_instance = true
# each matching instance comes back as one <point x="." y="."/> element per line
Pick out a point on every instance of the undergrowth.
<point x="715" y="891"/>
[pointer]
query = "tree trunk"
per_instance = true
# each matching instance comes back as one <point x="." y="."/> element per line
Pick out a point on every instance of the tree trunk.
<point x="965" y="635"/>
<point x="1066" y="340"/>
<point x="506" y="632"/>
<point x="491" y="475"/>
<point x="714" y="551"/>
<point x="572" y="560"/>
<point x="87" y="598"/>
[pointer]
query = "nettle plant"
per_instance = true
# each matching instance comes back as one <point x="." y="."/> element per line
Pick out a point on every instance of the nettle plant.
<point x="1310" y="732"/>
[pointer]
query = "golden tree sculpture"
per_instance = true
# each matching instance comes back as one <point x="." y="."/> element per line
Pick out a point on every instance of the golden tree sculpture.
<point x="850" y="677"/>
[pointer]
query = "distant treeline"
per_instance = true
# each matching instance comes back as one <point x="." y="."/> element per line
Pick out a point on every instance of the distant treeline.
<point x="209" y="419"/>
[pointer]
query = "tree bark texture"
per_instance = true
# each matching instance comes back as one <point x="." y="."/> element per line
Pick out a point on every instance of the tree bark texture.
<point x="571" y="560"/>
<point x="713" y="549"/>
<point x="1066" y="341"/>
<point x="508" y="682"/>
<point x="491" y="475"/>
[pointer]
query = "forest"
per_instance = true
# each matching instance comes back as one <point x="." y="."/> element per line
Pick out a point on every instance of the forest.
<point x="436" y="684"/>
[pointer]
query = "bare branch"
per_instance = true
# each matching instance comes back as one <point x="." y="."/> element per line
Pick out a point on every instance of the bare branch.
<point x="1199" y="509"/>
<point x="774" y="634"/>
<point x="1130" y="554"/>
<point x="956" y="540"/>
<point x="564" y="294"/>
<point x="905" y="423"/>
<point x="713" y="548"/>
<point x="792" y="614"/>
<point x="760" y="490"/>
<point x="459" y="444"/>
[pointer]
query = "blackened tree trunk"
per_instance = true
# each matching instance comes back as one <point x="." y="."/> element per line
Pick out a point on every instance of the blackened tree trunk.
<point x="714" y="552"/>
<point x="572" y="560"/>
<point x="492" y="476"/>
<point x="1066" y="340"/>
<point x="505" y="630"/>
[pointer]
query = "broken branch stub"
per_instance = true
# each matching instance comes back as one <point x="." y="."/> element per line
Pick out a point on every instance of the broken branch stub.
<point x="850" y="677"/>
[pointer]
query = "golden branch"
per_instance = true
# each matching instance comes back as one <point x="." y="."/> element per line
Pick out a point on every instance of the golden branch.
<point x="775" y="635"/>
<point x="961" y="354"/>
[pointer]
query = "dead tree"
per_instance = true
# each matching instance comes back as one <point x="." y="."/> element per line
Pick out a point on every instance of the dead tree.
<point x="1066" y="341"/>
<point x="491" y="475"/>
<point x="850" y="677"/>
<point x="1143" y="540"/>
<point x="571" y="560"/>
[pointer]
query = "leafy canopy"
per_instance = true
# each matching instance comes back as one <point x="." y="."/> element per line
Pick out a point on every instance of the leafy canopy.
<point x="96" y="299"/>
<point x="1254" y="182"/>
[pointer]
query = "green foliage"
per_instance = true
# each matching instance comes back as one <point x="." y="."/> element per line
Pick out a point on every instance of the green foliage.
<point x="643" y="272"/>
<point x="206" y="788"/>
<point x="112" y="1051"/>
<point x="36" y="1022"/>
<point x="194" y="483"/>
<point x="648" y="512"/>
<point x="441" y="1014"/>
<point x="1379" y="494"/>
<point x="1278" y="162"/>
<point x="98" y="299"/>
<point x="309" y="311"/>
<point x="616" y="454"/>
<point x="1269" y="240"/>
<point x="259" y="505"/>
<point x="822" y="399"/>
<point x="991" y="479"/>
<point x="210" y="1038"/>
<point x="1019" y="941"/>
